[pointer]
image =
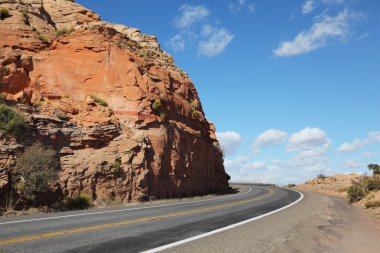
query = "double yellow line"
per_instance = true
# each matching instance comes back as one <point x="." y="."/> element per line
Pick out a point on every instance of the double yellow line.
<point x="117" y="224"/>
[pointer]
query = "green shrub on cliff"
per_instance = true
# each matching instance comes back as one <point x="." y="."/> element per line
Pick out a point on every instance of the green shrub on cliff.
<point x="43" y="38"/>
<point x="10" y="120"/>
<point x="194" y="108"/>
<point x="163" y="117"/>
<point x="36" y="169"/>
<point x="64" y="31"/>
<point x="156" y="104"/>
<point x="4" y="13"/>
<point x="99" y="100"/>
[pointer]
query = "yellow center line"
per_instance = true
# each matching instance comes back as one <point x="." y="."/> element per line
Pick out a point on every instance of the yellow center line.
<point x="116" y="224"/>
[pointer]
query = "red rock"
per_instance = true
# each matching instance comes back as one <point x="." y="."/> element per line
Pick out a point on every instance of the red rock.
<point x="127" y="70"/>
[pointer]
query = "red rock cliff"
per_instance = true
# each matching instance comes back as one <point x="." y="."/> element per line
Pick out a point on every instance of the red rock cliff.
<point x="60" y="61"/>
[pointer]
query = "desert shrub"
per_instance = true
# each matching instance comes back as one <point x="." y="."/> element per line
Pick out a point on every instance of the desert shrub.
<point x="4" y="71"/>
<point x="144" y="54"/>
<point x="321" y="176"/>
<point x="194" y="108"/>
<point x="375" y="168"/>
<point x="37" y="168"/>
<point x="356" y="192"/>
<point x="156" y="104"/>
<point x="43" y="38"/>
<point x="291" y="185"/>
<point x="163" y="117"/>
<point x="116" y="166"/>
<point x="26" y="17"/>
<point x="10" y="120"/>
<point x="99" y="100"/>
<point x="78" y="203"/>
<point x="4" y="13"/>
<point x="374" y="183"/>
<point x="64" y="31"/>
<point x="372" y="204"/>
<point x="61" y="115"/>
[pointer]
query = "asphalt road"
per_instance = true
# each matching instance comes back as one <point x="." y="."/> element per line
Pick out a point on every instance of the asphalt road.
<point x="138" y="228"/>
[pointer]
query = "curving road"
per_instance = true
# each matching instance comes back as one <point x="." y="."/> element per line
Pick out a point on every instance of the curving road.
<point x="141" y="227"/>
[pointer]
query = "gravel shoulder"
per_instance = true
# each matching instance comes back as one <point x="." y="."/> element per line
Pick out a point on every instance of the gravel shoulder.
<point x="319" y="223"/>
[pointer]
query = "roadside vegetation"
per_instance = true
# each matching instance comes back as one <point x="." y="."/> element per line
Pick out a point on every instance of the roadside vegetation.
<point x="78" y="203"/>
<point x="365" y="185"/>
<point x="35" y="171"/>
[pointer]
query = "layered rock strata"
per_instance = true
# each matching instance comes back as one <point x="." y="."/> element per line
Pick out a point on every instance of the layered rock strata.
<point x="126" y="122"/>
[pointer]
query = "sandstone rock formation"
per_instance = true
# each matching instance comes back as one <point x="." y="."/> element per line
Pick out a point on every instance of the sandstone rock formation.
<point x="126" y="122"/>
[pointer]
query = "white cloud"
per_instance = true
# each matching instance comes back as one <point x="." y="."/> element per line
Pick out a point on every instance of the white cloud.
<point x="308" y="6"/>
<point x="177" y="43"/>
<point x="308" y="139"/>
<point x="322" y="33"/>
<point x="194" y="28"/>
<point x="296" y="170"/>
<point x="354" y="145"/>
<point x="229" y="141"/>
<point x="347" y="147"/>
<point x="352" y="164"/>
<point x="271" y="137"/>
<point x="190" y="15"/>
<point x="310" y="146"/>
<point x="333" y="1"/>
<point x="374" y="136"/>
<point x="217" y="41"/>
<point x="242" y="4"/>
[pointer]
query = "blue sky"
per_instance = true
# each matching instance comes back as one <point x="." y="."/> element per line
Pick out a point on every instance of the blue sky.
<point x="292" y="86"/>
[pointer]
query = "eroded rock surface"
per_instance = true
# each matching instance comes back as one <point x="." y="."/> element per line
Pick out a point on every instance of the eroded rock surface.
<point x="126" y="122"/>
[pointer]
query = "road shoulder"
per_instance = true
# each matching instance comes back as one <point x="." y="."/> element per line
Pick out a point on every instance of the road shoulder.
<point x="319" y="223"/>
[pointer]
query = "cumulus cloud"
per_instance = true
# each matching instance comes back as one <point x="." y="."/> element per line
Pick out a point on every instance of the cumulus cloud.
<point x="308" y="6"/>
<point x="352" y="146"/>
<point x="229" y="141"/>
<point x="216" y="41"/>
<point x="295" y="170"/>
<point x="358" y="143"/>
<point x="190" y="15"/>
<point x="310" y="146"/>
<point x="374" y="136"/>
<point x="352" y="164"/>
<point x="195" y="28"/>
<point x="325" y="31"/>
<point x="239" y="5"/>
<point x="177" y="43"/>
<point x="308" y="139"/>
<point x="271" y="137"/>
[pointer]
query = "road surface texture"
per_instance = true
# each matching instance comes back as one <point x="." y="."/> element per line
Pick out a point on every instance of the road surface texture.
<point x="318" y="223"/>
<point x="141" y="227"/>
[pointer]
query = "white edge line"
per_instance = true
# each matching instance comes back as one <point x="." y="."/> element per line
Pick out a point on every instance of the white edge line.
<point x="123" y="210"/>
<point x="221" y="229"/>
